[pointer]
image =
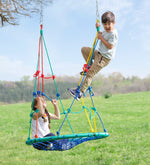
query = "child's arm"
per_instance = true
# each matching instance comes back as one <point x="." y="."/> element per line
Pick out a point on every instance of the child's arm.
<point x="105" y="42"/>
<point x="41" y="109"/>
<point x="55" y="116"/>
<point x="100" y="37"/>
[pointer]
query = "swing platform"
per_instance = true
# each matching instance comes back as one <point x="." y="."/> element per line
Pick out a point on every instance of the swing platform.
<point x="64" y="142"/>
<point x="98" y="135"/>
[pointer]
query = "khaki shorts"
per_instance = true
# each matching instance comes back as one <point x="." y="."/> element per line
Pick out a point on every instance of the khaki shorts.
<point x="99" y="63"/>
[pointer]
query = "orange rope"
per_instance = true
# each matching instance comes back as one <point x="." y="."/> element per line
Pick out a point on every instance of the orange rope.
<point x="36" y="136"/>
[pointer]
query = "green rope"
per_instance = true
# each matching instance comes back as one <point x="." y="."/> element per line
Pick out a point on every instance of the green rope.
<point x="49" y="62"/>
<point x="70" y="125"/>
<point x="54" y="80"/>
<point x="52" y="71"/>
<point x="47" y="55"/>
<point x="84" y="107"/>
<point x="78" y="112"/>
<point x="95" y="111"/>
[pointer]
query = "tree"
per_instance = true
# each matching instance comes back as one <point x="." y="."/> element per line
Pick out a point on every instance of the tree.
<point x="10" y="10"/>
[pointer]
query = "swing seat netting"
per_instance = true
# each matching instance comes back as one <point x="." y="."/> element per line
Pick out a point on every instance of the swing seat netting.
<point x="64" y="142"/>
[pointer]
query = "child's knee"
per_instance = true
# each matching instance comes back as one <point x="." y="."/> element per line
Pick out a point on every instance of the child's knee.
<point x="83" y="50"/>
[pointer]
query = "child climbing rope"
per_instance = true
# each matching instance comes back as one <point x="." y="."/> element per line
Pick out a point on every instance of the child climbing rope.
<point x="102" y="57"/>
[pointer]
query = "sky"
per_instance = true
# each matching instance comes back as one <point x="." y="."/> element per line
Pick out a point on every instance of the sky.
<point x="67" y="27"/>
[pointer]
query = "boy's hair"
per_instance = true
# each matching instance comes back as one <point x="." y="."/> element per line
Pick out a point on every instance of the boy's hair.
<point x="108" y="16"/>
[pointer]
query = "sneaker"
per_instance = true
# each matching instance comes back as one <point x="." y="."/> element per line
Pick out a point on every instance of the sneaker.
<point x="79" y="96"/>
<point x="74" y="93"/>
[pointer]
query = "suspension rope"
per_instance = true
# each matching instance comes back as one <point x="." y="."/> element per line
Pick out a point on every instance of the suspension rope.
<point x="42" y="75"/>
<point x="41" y="12"/>
<point x="97" y="12"/>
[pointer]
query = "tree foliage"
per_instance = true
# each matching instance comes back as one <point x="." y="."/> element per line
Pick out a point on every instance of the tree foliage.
<point x="21" y="91"/>
<point x="11" y="10"/>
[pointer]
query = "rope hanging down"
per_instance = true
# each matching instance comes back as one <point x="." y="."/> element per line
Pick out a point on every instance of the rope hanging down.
<point x="41" y="12"/>
<point x="97" y="12"/>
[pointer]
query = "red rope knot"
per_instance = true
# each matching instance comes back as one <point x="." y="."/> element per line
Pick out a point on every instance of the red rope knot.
<point x="42" y="75"/>
<point x="53" y="77"/>
<point x="41" y="27"/>
<point x="36" y="74"/>
<point x="36" y="136"/>
<point x="86" y="67"/>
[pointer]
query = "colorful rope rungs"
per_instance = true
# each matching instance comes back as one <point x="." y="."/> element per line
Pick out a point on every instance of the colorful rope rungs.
<point x="86" y="67"/>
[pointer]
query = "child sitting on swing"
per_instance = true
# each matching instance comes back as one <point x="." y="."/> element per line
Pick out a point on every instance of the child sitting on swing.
<point x="43" y="128"/>
<point x="102" y="57"/>
<point x="44" y="117"/>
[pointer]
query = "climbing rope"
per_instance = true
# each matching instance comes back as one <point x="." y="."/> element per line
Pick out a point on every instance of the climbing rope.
<point x="85" y="69"/>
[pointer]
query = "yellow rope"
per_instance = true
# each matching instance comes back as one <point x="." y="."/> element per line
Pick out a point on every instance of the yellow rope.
<point x="89" y="57"/>
<point x="95" y="129"/>
<point x="92" y="130"/>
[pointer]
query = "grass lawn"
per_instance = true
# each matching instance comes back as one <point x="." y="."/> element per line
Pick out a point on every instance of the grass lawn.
<point x="126" y="118"/>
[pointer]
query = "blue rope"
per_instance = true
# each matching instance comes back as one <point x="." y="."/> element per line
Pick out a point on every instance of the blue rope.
<point x="101" y="122"/>
<point x="94" y="47"/>
<point x="46" y="96"/>
<point x="73" y="100"/>
<point x="58" y="132"/>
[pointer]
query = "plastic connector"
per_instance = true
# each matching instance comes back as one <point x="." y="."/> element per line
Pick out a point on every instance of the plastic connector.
<point x="34" y="94"/>
<point x="53" y="77"/>
<point x="57" y="94"/>
<point x="105" y="130"/>
<point x="69" y="110"/>
<point x="38" y="93"/>
<point x="31" y="114"/>
<point x="37" y="110"/>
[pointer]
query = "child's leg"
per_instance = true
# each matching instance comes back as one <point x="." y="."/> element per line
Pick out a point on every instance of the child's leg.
<point x="50" y="134"/>
<point x="85" y="52"/>
<point x="98" y="64"/>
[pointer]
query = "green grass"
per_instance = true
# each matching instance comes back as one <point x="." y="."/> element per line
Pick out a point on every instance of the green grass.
<point x="126" y="118"/>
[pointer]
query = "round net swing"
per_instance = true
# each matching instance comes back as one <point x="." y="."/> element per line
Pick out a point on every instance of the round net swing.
<point x="61" y="142"/>
<point x="67" y="141"/>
